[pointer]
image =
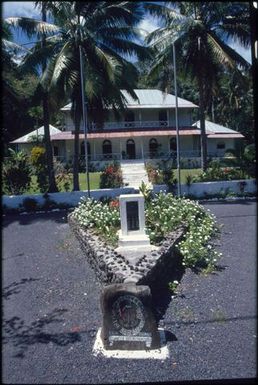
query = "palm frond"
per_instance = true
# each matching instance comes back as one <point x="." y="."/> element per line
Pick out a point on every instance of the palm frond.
<point x="32" y="27"/>
<point x="225" y="54"/>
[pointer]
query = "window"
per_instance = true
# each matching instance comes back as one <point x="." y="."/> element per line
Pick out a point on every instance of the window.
<point x="153" y="147"/>
<point x="107" y="147"/>
<point x="221" y="146"/>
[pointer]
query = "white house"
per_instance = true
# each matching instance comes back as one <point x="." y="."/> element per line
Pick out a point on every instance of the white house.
<point x="146" y="131"/>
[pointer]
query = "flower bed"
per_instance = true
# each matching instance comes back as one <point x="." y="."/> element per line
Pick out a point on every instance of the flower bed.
<point x="164" y="214"/>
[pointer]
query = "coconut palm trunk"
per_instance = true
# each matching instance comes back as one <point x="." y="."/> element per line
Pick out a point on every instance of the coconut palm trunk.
<point x="77" y="120"/>
<point x="50" y="165"/>
<point x="202" y="124"/>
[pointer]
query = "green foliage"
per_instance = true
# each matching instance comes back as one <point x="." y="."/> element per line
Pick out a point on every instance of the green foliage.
<point x="217" y="173"/>
<point x="173" y="286"/>
<point x="39" y="164"/>
<point x="146" y="192"/>
<point x="161" y="174"/>
<point x="111" y="177"/>
<point x="104" y="218"/>
<point x="63" y="177"/>
<point x="166" y="213"/>
<point x="16" y="173"/>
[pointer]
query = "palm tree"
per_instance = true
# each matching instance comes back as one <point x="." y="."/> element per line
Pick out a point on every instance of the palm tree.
<point x="105" y="32"/>
<point x="34" y="27"/>
<point x="200" y="32"/>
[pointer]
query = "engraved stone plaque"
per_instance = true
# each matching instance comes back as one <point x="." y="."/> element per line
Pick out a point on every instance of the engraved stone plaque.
<point x="128" y="322"/>
<point x="132" y="214"/>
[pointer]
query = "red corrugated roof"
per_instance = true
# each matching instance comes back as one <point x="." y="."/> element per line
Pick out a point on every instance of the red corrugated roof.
<point x="68" y="135"/>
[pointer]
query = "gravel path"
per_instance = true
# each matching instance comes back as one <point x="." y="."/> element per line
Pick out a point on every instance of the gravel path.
<point x="51" y="309"/>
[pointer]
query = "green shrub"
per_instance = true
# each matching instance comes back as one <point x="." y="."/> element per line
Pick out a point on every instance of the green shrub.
<point x="103" y="217"/>
<point x="165" y="213"/>
<point x="39" y="163"/>
<point x="16" y="173"/>
<point x="63" y="177"/>
<point x="111" y="177"/>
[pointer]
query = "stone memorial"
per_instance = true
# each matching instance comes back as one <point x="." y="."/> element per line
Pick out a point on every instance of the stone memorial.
<point x="132" y="233"/>
<point x="128" y="321"/>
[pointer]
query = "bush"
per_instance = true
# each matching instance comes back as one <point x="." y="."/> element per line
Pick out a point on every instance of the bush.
<point x="39" y="163"/>
<point x="111" y="177"/>
<point x="16" y="173"/>
<point x="165" y="213"/>
<point x="63" y="176"/>
<point x="103" y="217"/>
<point x="218" y="173"/>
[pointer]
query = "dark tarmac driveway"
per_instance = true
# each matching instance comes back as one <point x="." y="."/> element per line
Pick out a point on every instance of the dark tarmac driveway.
<point x="51" y="309"/>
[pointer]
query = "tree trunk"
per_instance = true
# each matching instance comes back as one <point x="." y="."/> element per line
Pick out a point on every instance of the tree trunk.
<point x="50" y="165"/>
<point x="202" y="125"/>
<point x="76" y="185"/>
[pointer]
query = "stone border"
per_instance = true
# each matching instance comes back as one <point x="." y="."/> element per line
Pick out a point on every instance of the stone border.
<point x="111" y="267"/>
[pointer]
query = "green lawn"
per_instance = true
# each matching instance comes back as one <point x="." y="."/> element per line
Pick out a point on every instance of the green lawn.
<point x="94" y="183"/>
<point x="184" y="173"/>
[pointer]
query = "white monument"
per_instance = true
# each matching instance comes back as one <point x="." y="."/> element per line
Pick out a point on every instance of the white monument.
<point x="132" y="233"/>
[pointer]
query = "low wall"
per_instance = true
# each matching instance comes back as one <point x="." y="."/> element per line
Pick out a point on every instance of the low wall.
<point x="71" y="198"/>
<point x="199" y="190"/>
<point x="202" y="189"/>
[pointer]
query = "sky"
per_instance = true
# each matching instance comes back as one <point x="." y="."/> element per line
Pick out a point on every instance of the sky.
<point x="27" y="9"/>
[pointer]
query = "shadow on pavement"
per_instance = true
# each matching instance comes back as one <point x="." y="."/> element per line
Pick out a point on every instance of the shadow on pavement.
<point x="21" y="336"/>
<point x="14" y="288"/>
<point x="28" y="218"/>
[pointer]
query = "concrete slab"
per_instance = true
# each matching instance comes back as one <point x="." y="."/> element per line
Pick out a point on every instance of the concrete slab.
<point x="154" y="354"/>
<point x="134" y="253"/>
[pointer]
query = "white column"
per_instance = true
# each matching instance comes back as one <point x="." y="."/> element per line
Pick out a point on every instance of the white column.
<point x="140" y="117"/>
<point x="142" y="148"/>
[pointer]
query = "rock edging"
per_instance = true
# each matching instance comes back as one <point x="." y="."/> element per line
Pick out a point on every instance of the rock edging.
<point x="111" y="267"/>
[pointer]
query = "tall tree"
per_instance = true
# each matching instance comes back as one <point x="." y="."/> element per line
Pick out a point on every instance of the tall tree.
<point x="40" y="29"/>
<point x="201" y="33"/>
<point x="106" y="33"/>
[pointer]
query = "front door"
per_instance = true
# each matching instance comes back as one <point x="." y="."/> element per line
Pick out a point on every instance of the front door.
<point x="130" y="149"/>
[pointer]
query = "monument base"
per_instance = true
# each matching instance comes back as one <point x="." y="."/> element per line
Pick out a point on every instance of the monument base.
<point x="161" y="353"/>
<point x="133" y="240"/>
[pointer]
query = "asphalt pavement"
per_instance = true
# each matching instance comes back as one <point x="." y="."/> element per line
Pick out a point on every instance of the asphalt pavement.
<point x="51" y="310"/>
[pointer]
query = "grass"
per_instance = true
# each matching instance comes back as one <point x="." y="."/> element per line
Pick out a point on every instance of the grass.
<point x="185" y="172"/>
<point x="94" y="183"/>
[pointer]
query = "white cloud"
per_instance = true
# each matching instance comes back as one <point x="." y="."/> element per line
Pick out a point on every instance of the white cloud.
<point x="19" y="8"/>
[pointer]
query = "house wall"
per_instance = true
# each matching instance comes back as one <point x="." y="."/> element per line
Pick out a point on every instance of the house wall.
<point x="212" y="144"/>
<point x="150" y="114"/>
